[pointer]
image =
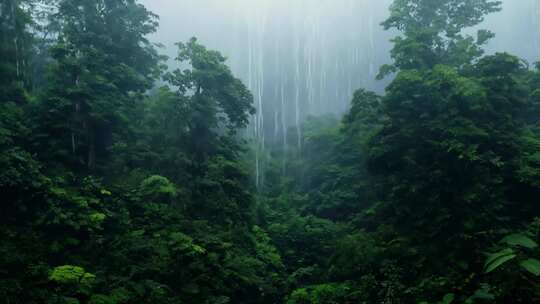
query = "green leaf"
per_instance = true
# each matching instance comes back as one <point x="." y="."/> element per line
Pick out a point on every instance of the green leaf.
<point x="69" y="300"/>
<point x="97" y="218"/>
<point x="481" y="294"/>
<point x="497" y="259"/>
<point x="67" y="274"/>
<point x="532" y="266"/>
<point x="105" y="192"/>
<point x="494" y="256"/>
<point x="448" y="298"/>
<point x="519" y="239"/>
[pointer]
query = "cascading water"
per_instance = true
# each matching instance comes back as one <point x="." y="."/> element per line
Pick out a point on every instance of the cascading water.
<point x="535" y="17"/>
<point x="522" y="36"/>
<point x="306" y="57"/>
<point x="297" y="65"/>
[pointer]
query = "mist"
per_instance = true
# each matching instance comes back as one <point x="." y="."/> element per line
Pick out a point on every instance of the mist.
<point x="264" y="162"/>
<point x="305" y="57"/>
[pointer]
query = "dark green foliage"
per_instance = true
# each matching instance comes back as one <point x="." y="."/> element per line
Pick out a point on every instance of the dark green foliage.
<point x="456" y="140"/>
<point x="167" y="216"/>
<point x="115" y="191"/>
<point x="102" y="65"/>
<point x="15" y="49"/>
<point x="431" y="175"/>
<point x="209" y="98"/>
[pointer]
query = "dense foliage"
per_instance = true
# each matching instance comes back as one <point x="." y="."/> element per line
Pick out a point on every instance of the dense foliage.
<point x="118" y="190"/>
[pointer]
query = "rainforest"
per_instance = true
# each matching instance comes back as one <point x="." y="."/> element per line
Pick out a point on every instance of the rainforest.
<point x="269" y="151"/>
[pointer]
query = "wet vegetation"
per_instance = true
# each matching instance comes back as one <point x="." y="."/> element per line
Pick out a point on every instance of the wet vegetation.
<point x="125" y="181"/>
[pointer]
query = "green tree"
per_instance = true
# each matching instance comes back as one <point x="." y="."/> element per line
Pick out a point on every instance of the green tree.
<point x="213" y="102"/>
<point x="15" y="49"/>
<point x="454" y="141"/>
<point x="103" y="64"/>
<point x="433" y="32"/>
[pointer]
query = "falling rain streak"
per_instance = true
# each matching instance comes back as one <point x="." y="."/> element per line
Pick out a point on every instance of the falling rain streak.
<point x="297" y="65"/>
<point x="307" y="57"/>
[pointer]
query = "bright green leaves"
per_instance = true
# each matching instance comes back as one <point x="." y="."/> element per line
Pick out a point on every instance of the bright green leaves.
<point x="69" y="274"/>
<point x="266" y="251"/>
<point x="519" y="242"/>
<point x="78" y="205"/>
<point x="299" y="296"/>
<point x="183" y="244"/>
<point x="72" y="281"/>
<point x="97" y="218"/>
<point x="519" y="239"/>
<point x="497" y="259"/>
<point x="105" y="192"/>
<point x="322" y="294"/>
<point x="158" y="189"/>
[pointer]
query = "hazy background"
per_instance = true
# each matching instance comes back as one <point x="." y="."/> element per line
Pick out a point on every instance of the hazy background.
<point x="306" y="57"/>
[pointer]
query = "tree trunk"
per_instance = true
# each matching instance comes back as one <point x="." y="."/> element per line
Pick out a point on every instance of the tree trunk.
<point x="91" y="149"/>
<point x="73" y="128"/>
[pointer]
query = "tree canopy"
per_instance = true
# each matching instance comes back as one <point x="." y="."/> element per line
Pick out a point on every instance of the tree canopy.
<point x="126" y="181"/>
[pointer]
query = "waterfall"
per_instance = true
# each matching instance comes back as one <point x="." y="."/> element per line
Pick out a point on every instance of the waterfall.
<point x="307" y="57"/>
<point x="535" y="24"/>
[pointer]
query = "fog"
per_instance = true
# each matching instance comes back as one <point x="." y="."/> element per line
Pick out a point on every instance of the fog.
<point x="307" y="57"/>
<point x="121" y="183"/>
<point x="298" y="58"/>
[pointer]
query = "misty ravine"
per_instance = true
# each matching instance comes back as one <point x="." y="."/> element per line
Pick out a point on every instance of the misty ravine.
<point x="294" y="152"/>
